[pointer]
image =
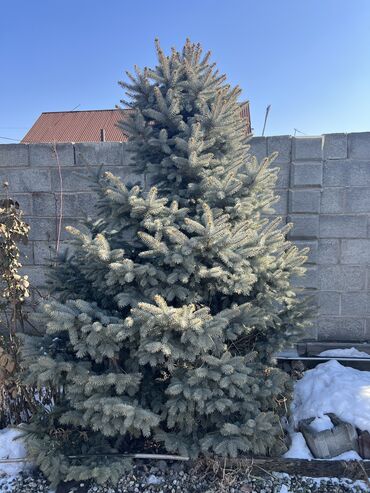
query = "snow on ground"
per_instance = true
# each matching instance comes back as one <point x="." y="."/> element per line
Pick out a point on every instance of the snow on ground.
<point x="345" y="353"/>
<point x="358" y="484"/>
<point x="11" y="447"/>
<point x="333" y="388"/>
<point x="298" y="448"/>
<point x="350" y="455"/>
<point x="284" y="489"/>
<point x="330" y="388"/>
<point x="353" y="485"/>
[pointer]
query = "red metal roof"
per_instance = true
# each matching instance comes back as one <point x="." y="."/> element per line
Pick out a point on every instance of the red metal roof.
<point x="246" y="115"/>
<point x="77" y="126"/>
<point x="88" y="126"/>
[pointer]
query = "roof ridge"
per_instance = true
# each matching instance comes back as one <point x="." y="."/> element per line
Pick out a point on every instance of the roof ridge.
<point x="85" y="111"/>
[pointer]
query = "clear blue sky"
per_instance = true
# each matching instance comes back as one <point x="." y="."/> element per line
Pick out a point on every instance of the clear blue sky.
<point x="309" y="59"/>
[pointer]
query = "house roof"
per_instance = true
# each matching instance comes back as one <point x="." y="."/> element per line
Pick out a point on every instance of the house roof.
<point x="77" y="126"/>
<point x="89" y="126"/>
<point x="246" y="115"/>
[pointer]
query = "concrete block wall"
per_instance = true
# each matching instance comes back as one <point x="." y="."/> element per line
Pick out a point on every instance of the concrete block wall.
<point x="36" y="175"/>
<point x="329" y="205"/>
<point x="324" y="189"/>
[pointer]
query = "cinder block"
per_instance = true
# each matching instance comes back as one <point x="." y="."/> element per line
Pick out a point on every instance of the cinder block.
<point x="359" y="145"/>
<point x="338" y="329"/>
<point x="304" y="201"/>
<point x="50" y="155"/>
<point x="307" y="174"/>
<point x="307" y="148"/>
<point x="100" y="153"/>
<point x="309" y="280"/>
<point x="258" y="147"/>
<point x="281" y="144"/>
<point x="42" y="228"/>
<point x="26" y="180"/>
<point x="335" y="146"/>
<point x="13" y="155"/>
<point x="314" y="299"/>
<point x="355" y="252"/>
<point x="336" y="173"/>
<point x="329" y="303"/>
<point x="281" y="206"/>
<point x="86" y="204"/>
<point x="344" y="226"/>
<point x="346" y="173"/>
<point x="127" y="159"/>
<point x="44" y="252"/>
<point x="25" y="202"/>
<point x="283" y="175"/>
<point x="73" y="179"/>
<point x="356" y="304"/>
<point x="26" y="253"/>
<point x="49" y="205"/>
<point x="36" y="274"/>
<point x="358" y="199"/>
<point x="332" y="200"/>
<point x="312" y="245"/>
<point x="45" y="228"/>
<point x="45" y="204"/>
<point x="310" y="332"/>
<point x="342" y="278"/>
<point x="73" y="205"/>
<point x="328" y="251"/>
<point x="367" y="331"/>
<point x="305" y="226"/>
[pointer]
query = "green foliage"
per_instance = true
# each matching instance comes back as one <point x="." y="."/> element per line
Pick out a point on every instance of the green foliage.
<point x="170" y="305"/>
<point x="54" y="447"/>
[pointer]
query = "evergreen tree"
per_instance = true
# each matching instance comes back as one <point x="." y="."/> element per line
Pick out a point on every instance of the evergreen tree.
<point x="173" y="301"/>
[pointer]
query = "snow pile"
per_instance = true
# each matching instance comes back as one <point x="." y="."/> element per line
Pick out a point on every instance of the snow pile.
<point x="298" y="448"/>
<point x="345" y="353"/>
<point x="333" y="388"/>
<point x="153" y="479"/>
<point x="350" y="455"/>
<point x="11" y="447"/>
<point x="330" y="388"/>
<point x="321" y="423"/>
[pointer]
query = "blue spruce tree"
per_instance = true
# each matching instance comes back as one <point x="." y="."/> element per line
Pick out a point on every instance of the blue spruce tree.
<point x="174" y="300"/>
